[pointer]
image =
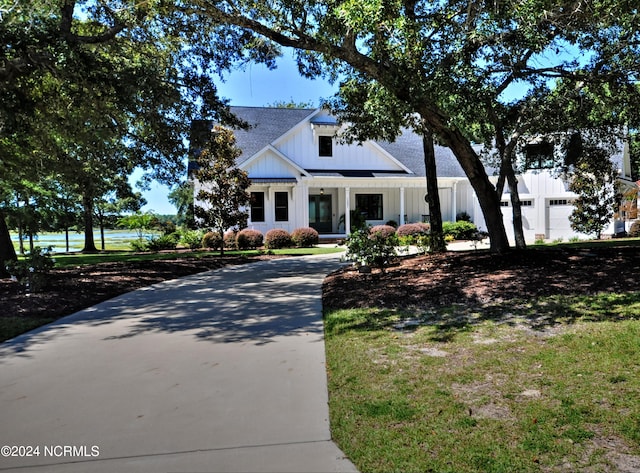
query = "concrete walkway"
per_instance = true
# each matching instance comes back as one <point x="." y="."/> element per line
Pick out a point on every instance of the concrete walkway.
<point x="222" y="371"/>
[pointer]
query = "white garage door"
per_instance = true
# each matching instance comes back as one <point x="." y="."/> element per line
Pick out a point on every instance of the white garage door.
<point x="558" y="224"/>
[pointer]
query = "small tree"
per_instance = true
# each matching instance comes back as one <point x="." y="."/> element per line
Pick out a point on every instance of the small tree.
<point x="223" y="194"/>
<point x="594" y="180"/>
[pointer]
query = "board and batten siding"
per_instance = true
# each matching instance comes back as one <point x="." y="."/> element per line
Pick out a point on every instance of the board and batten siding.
<point x="302" y="148"/>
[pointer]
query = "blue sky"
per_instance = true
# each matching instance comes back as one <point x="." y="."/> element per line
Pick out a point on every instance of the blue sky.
<point x="254" y="86"/>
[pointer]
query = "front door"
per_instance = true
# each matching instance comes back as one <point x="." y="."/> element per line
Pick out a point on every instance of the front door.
<point x="320" y="213"/>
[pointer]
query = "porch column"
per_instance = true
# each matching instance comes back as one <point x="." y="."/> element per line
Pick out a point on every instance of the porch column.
<point x="303" y="205"/>
<point x="347" y="212"/>
<point x="402" y="222"/>
<point x="454" y="201"/>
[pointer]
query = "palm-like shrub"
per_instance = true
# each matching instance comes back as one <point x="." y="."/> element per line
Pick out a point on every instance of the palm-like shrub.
<point x="305" y="237"/>
<point x="277" y="238"/>
<point x="249" y="238"/>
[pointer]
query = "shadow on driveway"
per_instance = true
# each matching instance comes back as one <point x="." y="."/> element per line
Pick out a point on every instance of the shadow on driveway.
<point x="247" y="303"/>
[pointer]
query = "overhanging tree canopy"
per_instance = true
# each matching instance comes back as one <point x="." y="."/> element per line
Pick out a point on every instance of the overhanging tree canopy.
<point x="448" y="60"/>
<point x="94" y="88"/>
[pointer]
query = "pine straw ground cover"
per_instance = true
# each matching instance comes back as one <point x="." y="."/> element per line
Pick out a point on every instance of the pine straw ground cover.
<point x="469" y="362"/>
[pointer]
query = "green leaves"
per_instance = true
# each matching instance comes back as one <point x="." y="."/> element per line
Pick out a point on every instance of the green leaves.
<point x="222" y="193"/>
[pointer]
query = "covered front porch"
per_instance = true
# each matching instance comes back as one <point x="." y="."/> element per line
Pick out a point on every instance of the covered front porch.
<point x="332" y="206"/>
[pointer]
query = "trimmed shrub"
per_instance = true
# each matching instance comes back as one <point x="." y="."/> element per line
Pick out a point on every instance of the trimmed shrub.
<point x="249" y="238"/>
<point x="277" y="238"/>
<point x="230" y="240"/>
<point x="305" y="237"/>
<point x="460" y="230"/>
<point x="384" y="230"/>
<point x="415" y="234"/>
<point x="211" y="240"/>
<point x="634" y="231"/>
<point x="412" y="229"/>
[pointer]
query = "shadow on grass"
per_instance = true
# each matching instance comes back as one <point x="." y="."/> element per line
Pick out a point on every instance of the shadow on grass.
<point x="450" y="321"/>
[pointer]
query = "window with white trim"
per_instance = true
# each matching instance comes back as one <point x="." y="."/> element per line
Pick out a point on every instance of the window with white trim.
<point x="257" y="206"/>
<point x="325" y="146"/>
<point x="282" y="206"/>
<point x="370" y="206"/>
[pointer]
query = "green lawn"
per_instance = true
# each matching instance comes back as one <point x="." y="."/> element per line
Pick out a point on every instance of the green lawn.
<point x="77" y="259"/>
<point x="487" y="396"/>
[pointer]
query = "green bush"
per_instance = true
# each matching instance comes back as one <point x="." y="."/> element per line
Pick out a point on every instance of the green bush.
<point x="374" y="249"/>
<point x="460" y="230"/>
<point x="32" y="270"/>
<point x="165" y="242"/>
<point x="139" y="244"/>
<point x="249" y="238"/>
<point x="305" y="237"/>
<point x="277" y="238"/>
<point x="192" y="239"/>
<point x="211" y="240"/>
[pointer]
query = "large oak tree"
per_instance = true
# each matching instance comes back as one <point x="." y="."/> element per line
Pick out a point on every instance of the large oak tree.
<point x="449" y="60"/>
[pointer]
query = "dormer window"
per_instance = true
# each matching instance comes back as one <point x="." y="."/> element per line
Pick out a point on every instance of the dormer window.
<point x="539" y="155"/>
<point x="325" y="146"/>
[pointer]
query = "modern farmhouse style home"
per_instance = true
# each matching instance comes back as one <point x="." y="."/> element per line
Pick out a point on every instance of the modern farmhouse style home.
<point x="302" y="176"/>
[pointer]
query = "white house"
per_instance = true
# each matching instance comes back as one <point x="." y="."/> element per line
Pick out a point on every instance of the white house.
<point x="302" y="176"/>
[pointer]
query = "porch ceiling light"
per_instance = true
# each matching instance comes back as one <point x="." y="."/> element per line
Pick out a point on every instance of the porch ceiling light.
<point x="322" y="191"/>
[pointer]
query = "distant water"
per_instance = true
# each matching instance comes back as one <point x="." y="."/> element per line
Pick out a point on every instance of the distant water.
<point x="118" y="238"/>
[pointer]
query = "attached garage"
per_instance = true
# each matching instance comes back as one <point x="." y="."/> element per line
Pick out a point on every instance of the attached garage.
<point x="558" y="212"/>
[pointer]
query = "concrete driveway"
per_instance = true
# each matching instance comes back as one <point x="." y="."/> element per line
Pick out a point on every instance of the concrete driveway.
<point x="222" y="371"/>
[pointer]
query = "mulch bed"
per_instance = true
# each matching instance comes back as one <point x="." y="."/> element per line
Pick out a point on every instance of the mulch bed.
<point x="472" y="278"/>
<point x="477" y="277"/>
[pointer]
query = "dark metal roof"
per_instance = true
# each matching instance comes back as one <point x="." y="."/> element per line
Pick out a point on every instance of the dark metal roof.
<point x="273" y="180"/>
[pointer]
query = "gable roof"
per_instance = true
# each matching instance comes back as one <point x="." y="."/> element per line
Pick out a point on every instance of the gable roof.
<point x="266" y="125"/>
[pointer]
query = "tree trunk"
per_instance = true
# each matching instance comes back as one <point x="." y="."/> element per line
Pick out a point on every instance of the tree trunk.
<point x="20" y="237"/>
<point x="89" y="243"/>
<point x="221" y="242"/>
<point x="507" y="173"/>
<point x="438" y="245"/>
<point x="7" y="251"/>
<point x="516" y="205"/>
<point x="477" y="175"/>
<point x="102" y="234"/>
